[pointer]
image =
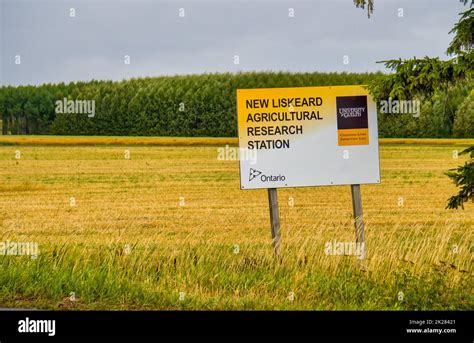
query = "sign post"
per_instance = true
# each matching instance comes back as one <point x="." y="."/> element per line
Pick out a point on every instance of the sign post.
<point x="308" y="136"/>
<point x="359" y="220"/>
<point x="274" y="219"/>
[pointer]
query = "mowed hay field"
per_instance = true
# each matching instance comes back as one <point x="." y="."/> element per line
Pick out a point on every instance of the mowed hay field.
<point x="169" y="228"/>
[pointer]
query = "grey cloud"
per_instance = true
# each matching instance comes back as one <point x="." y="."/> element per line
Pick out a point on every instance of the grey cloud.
<point x="56" y="48"/>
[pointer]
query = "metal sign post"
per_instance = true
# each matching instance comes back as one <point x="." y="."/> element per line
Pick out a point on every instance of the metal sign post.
<point x="359" y="220"/>
<point x="274" y="219"/>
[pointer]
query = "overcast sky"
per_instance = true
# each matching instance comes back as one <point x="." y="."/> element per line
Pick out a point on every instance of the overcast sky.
<point x="55" y="47"/>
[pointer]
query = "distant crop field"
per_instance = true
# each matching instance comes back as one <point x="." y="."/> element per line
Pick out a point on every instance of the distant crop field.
<point x="167" y="227"/>
<point x="116" y="140"/>
<point x="184" y="141"/>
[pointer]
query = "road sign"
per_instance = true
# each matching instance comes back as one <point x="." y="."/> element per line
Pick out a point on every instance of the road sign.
<point x="308" y="136"/>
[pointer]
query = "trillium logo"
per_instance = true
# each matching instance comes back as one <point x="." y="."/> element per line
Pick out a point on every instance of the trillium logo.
<point x="254" y="173"/>
<point x="265" y="178"/>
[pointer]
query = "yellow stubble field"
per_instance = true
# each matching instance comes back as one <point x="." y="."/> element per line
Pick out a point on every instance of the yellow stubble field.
<point x="167" y="227"/>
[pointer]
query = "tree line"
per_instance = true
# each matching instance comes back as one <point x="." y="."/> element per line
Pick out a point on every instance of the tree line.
<point x="202" y="105"/>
